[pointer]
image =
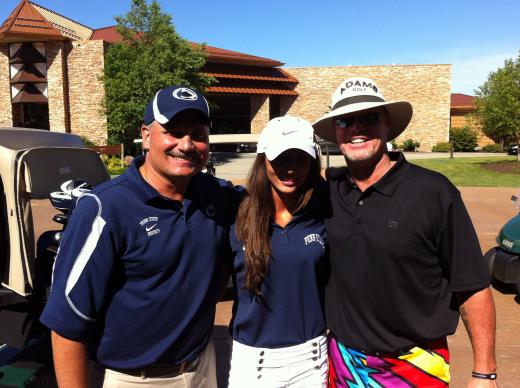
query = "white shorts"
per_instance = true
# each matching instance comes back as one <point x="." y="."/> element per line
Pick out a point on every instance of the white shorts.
<point x="303" y="365"/>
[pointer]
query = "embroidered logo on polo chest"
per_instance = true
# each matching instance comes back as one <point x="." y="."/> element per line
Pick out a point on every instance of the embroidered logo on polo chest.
<point x="150" y="225"/>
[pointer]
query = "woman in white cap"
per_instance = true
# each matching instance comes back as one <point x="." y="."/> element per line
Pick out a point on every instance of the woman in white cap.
<point x="280" y="265"/>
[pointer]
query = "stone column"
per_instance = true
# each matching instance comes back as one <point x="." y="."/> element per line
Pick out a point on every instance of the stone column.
<point x="6" y="114"/>
<point x="55" y="87"/>
<point x="86" y="64"/>
<point x="259" y="112"/>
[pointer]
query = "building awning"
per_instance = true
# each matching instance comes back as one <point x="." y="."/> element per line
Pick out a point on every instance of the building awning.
<point x="245" y="86"/>
<point x="24" y="76"/>
<point x="27" y="97"/>
<point x="218" y="55"/>
<point x="253" y="73"/>
<point x="237" y="90"/>
<point x="29" y="92"/>
<point x="26" y="53"/>
<point x="244" y="79"/>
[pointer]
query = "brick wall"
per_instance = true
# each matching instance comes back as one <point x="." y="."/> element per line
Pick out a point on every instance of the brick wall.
<point x="6" y="115"/>
<point x="426" y="87"/>
<point x="86" y="90"/>
<point x="259" y="112"/>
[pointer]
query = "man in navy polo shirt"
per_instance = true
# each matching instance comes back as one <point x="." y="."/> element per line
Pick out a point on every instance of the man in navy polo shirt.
<point x="136" y="278"/>
<point x="404" y="255"/>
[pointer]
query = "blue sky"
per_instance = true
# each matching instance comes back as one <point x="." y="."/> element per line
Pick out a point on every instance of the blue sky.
<point x="474" y="36"/>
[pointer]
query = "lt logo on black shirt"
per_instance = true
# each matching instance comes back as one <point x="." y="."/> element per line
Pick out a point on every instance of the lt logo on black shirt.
<point x="393" y="224"/>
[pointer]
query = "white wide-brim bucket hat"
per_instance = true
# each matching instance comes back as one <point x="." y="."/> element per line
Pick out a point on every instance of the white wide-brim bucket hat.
<point x="358" y="94"/>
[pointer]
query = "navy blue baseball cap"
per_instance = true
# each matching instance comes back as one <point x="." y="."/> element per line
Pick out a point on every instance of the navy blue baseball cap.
<point x="169" y="101"/>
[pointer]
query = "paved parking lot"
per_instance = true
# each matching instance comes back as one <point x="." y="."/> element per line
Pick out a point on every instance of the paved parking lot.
<point x="489" y="209"/>
<point x="234" y="167"/>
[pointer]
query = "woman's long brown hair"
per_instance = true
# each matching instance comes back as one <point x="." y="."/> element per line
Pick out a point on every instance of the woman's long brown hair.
<point x="256" y="215"/>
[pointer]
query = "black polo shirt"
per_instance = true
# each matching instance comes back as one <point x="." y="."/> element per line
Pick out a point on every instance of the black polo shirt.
<point x="398" y="252"/>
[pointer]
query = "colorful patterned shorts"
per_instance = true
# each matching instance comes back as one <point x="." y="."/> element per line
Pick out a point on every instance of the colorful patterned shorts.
<point x="426" y="366"/>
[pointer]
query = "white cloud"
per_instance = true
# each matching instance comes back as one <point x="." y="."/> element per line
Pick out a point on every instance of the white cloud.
<point x="472" y="63"/>
<point x="470" y="73"/>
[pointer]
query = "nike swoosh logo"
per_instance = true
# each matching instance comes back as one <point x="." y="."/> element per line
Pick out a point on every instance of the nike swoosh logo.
<point x="150" y="228"/>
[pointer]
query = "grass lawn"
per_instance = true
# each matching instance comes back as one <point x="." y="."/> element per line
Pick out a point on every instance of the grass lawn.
<point x="470" y="171"/>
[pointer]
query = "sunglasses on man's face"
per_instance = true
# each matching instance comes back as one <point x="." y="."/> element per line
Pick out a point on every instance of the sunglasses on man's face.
<point x="364" y="119"/>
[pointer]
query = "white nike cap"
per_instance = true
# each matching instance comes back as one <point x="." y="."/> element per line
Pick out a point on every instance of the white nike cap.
<point x="285" y="133"/>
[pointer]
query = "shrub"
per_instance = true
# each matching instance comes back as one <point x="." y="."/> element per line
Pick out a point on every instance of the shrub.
<point x="464" y="139"/>
<point x="410" y="145"/>
<point x="113" y="165"/>
<point x="492" y="148"/>
<point x="444" y="146"/>
<point x="395" y="146"/>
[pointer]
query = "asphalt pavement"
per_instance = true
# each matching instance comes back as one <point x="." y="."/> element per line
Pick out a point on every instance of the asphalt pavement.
<point x="235" y="167"/>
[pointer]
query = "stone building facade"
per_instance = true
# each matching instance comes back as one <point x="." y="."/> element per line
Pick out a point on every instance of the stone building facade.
<point x="426" y="87"/>
<point x="74" y="87"/>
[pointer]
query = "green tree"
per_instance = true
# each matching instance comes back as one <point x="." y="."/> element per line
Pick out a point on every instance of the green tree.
<point x="498" y="104"/>
<point x="151" y="56"/>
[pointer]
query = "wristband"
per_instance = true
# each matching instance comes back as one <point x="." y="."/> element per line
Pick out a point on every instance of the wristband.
<point x="485" y="376"/>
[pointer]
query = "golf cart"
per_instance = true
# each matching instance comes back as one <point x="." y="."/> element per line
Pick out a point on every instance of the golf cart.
<point x="503" y="261"/>
<point x="33" y="164"/>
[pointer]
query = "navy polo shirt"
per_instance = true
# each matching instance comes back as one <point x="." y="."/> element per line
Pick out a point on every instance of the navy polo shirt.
<point x="137" y="273"/>
<point x="399" y="250"/>
<point x="290" y="310"/>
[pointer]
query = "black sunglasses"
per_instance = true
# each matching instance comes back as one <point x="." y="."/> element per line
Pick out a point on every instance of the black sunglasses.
<point x="364" y="119"/>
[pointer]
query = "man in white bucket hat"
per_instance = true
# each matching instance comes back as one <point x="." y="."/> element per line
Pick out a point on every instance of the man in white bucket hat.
<point x="405" y="257"/>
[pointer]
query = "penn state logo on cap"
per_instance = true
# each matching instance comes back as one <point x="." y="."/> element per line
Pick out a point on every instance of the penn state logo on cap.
<point x="185" y="94"/>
